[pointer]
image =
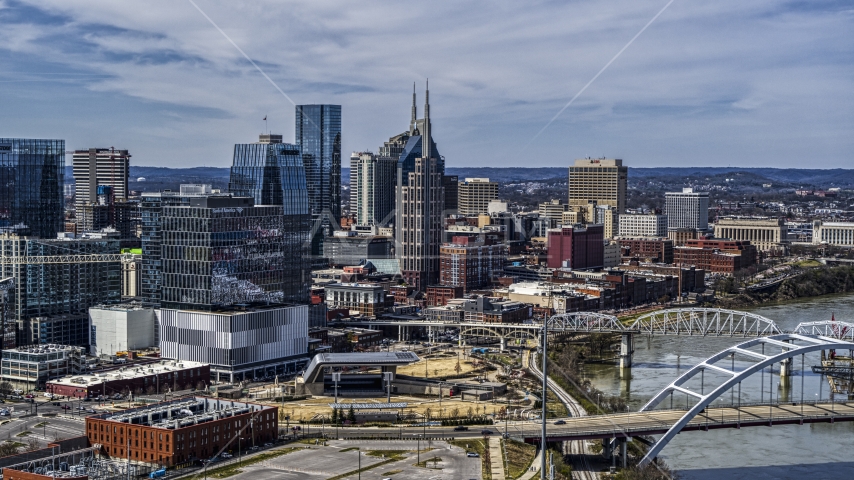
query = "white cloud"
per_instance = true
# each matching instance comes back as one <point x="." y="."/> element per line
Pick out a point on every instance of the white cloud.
<point x="498" y="74"/>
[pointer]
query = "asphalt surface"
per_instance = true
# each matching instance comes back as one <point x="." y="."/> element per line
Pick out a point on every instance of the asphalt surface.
<point x="335" y="459"/>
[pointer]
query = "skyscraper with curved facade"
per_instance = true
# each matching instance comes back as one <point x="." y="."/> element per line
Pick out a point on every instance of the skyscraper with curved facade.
<point x="272" y="173"/>
<point x="32" y="173"/>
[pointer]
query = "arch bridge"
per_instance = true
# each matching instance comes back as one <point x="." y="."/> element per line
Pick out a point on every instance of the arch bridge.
<point x="791" y="346"/>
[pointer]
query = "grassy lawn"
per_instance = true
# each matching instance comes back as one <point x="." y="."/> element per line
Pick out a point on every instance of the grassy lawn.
<point x="233" y="469"/>
<point x="808" y="263"/>
<point x="24" y="433"/>
<point x="349" y="449"/>
<point x="392" y="472"/>
<point x="519" y="457"/>
<point x="40" y="425"/>
<point x="478" y="446"/>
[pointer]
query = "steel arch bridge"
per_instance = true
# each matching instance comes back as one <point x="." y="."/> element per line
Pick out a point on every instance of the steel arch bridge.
<point x="827" y="328"/>
<point x="704" y="322"/>
<point x="789" y="350"/>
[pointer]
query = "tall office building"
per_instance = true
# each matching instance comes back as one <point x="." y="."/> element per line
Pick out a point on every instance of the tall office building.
<point x="272" y="173"/>
<point x="375" y="177"/>
<point x="420" y="204"/>
<point x="32" y="174"/>
<point x="687" y="209"/>
<point x="151" y="209"/>
<point x="474" y="195"/>
<point x="601" y="180"/>
<point x="222" y="251"/>
<point x="100" y="166"/>
<point x="318" y="134"/>
<point x="51" y="298"/>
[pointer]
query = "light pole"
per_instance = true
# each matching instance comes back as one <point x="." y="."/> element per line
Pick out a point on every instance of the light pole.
<point x="545" y="390"/>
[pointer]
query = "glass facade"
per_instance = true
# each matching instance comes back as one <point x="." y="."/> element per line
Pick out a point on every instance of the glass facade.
<point x="272" y="174"/>
<point x="32" y="174"/>
<point x="221" y="252"/>
<point x="151" y="274"/>
<point x="318" y="134"/>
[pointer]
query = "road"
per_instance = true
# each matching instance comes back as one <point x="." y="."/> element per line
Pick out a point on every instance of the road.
<point x="578" y="449"/>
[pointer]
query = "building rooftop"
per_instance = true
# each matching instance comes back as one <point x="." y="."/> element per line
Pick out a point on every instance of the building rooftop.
<point x="183" y="412"/>
<point x="126" y="373"/>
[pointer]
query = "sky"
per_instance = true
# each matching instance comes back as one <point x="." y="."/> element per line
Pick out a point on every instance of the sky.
<point x="756" y="83"/>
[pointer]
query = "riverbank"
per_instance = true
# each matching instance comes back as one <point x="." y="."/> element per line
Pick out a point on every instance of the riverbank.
<point x="814" y="282"/>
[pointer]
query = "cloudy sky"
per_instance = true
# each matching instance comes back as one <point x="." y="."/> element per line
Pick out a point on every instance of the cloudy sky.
<point x="730" y="82"/>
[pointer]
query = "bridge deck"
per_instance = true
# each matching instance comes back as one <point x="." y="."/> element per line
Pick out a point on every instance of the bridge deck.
<point x="658" y="422"/>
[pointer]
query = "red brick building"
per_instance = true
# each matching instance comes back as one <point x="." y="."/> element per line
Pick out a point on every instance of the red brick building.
<point x="438" y="295"/>
<point x="659" y="250"/>
<point x="136" y="379"/>
<point x="715" y="255"/>
<point x="576" y="247"/>
<point x="470" y="263"/>
<point x="182" y="430"/>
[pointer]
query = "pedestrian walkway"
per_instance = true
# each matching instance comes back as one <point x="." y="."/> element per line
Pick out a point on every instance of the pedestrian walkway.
<point x="533" y="470"/>
<point x="496" y="459"/>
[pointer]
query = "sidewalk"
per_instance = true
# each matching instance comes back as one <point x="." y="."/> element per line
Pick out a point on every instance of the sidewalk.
<point x="496" y="458"/>
<point x="534" y="469"/>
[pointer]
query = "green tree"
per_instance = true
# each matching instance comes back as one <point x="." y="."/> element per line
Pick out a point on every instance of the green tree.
<point x="351" y="415"/>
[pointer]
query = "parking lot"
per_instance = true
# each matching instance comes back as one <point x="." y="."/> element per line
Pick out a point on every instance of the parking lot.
<point x="340" y="457"/>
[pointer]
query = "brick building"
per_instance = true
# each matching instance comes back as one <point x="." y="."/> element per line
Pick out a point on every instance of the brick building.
<point x="576" y="247"/>
<point x="441" y="294"/>
<point x="469" y="263"/>
<point x="658" y="250"/>
<point x="716" y="255"/>
<point x="182" y="430"/>
<point x="138" y="379"/>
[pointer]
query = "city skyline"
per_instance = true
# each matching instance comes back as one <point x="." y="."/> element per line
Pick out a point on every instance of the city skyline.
<point x="759" y="84"/>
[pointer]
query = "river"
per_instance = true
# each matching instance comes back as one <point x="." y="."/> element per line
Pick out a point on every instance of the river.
<point x="814" y="451"/>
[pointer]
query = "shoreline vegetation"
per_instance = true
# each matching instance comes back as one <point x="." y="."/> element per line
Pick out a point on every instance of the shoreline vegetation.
<point x="814" y="282"/>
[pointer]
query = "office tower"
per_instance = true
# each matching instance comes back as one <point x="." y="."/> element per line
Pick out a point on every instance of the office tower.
<point x="151" y="208"/>
<point x="318" y="134"/>
<point x="687" y="209"/>
<point x="32" y="174"/>
<point x="100" y="166"/>
<point x="650" y="225"/>
<point x="452" y="194"/>
<point x="375" y="178"/>
<point x="576" y="247"/>
<point x="601" y="180"/>
<point x="272" y="173"/>
<point x="52" y="295"/>
<point x="354" y="167"/>
<point x="554" y="208"/>
<point x="474" y="195"/>
<point x="420" y="204"/>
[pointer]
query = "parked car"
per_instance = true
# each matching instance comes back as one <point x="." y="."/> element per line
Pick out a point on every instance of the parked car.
<point x="226" y="455"/>
<point x="472" y="454"/>
<point x="461" y="428"/>
<point x="268" y="445"/>
<point x="254" y="448"/>
<point x="486" y="431"/>
<point x="560" y="422"/>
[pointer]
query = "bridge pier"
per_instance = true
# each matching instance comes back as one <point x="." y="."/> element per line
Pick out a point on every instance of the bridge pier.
<point x="786" y="370"/>
<point x="623" y="446"/>
<point x="503" y="344"/>
<point x="627" y="349"/>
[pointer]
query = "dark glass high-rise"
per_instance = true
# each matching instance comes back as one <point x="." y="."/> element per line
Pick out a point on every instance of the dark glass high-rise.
<point x="32" y="174"/>
<point x="318" y="134"/>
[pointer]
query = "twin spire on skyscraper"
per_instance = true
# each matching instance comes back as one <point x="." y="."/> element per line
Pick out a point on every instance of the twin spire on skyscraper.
<point x="426" y="143"/>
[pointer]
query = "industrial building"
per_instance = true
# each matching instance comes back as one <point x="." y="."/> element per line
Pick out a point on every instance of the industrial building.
<point x="151" y="378"/>
<point x="182" y="430"/>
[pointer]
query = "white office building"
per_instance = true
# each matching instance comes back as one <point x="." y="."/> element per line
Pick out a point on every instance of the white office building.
<point x="634" y="226"/>
<point x="687" y="209"/>
<point x="119" y="328"/>
<point x="833" y="233"/>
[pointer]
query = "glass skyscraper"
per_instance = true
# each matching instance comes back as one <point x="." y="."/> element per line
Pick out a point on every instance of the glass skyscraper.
<point x="318" y="134"/>
<point x="32" y="174"/>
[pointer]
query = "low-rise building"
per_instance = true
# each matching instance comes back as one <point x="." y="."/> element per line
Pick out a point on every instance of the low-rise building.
<point x="716" y="255"/>
<point x="366" y="298"/>
<point x="150" y="378"/>
<point x="182" y="430"/>
<point x="29" y="368"/>
<point x="496" y="310"/>
<point x="766" y="234"/>
<point x="839" y="234"/>
<point x="442" y="294"/>
<point x="659" y="250"/>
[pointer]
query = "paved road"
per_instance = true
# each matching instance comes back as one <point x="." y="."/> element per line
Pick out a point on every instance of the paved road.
<point x="335" y="459"/>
